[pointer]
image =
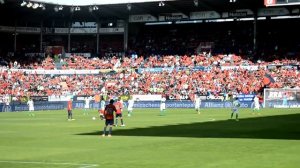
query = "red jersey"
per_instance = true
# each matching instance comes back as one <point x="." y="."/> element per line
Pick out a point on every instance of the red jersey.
<point x="261" y="99"/>
<point x="69" y="105"/>
<point x="109" y="111"/>
<point x="119" y="107"/>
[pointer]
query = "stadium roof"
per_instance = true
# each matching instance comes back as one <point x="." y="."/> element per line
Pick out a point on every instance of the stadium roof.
<point x="92" y="2"/>
<point x="14" y="9"/>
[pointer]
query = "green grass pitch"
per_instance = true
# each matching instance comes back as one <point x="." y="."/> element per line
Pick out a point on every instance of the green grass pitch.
<point x="181" y="139"/>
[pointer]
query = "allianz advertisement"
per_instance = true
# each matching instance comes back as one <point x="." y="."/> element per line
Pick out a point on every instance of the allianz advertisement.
<point x="189" y="104"/>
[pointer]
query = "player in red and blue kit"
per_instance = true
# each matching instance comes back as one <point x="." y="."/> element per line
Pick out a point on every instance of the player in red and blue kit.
<point x="119" y="107"/>
<point x="109" y="117"/>
<point x="69" y="108"/>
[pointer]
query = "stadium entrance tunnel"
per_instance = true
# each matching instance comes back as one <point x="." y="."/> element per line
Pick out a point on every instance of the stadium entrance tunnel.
<point x="270" y="127"/>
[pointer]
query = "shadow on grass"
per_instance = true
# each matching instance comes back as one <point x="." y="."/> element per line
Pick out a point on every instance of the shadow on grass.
<point x="270" y="127"/>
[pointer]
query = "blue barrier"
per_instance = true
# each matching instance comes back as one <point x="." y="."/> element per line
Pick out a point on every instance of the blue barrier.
<point x="38" y="107"/>
<point x="281" y="104"/>
<point x="138" y="104"/>
<point x="246" y="97"/>
<point x="80" y="104"/>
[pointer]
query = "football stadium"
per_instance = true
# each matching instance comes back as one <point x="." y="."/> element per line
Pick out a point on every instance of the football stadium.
<point x="149" y="83"/>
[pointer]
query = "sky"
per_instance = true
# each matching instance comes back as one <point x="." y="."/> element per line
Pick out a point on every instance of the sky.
<point x="91" y="2"/>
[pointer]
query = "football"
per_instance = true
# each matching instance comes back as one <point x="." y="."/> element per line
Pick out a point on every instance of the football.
<point x="94" y="118"/>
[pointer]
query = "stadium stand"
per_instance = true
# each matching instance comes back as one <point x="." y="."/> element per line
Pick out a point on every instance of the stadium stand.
<point x="210" y="58"/>
<point x="183" y="80"/>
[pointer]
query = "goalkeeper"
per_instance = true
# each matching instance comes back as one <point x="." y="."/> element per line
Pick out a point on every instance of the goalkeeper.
<point x="235" y="109"/>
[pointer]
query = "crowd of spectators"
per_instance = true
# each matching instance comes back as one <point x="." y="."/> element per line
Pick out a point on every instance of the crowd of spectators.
<point x="77" y="62"/>
<point x="125" y="78"/>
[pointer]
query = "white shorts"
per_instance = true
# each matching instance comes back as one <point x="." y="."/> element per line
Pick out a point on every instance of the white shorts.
<point x="162" y="106"/>
<point x="130" y="108"/>
<point x="235" y="110"/>
<point x="256" y="106"/>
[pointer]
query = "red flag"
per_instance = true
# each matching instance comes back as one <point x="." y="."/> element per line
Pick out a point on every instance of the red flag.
<point x="268" y="79"/>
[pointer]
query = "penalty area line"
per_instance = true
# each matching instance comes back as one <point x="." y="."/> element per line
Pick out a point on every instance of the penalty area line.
<point x="49" y="163"/>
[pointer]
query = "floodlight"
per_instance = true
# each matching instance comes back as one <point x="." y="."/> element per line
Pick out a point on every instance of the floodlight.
<point x="72" y="9"/>
<point x="29" y="5"/>
<point x="196" y="3"/>
<point x="56" y="9"/>
<point x="23" y="3"/>
<point x="95" y="7"/>
<point x="42" y="6"/>
<point x="35" y="5"/>
<point x="77" y="8"/>
<point x="90" y="9"/>
<point x="161" y="3"/>
<point x="129" y="7"/>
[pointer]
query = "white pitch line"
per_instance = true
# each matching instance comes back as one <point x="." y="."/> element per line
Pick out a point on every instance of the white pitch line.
<point x="47" y="163"/>
<point x="88" y="165"/>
